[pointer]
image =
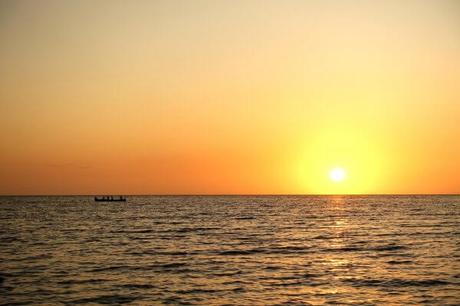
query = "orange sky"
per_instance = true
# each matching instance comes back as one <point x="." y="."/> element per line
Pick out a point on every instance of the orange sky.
<point x="220" y="97"/>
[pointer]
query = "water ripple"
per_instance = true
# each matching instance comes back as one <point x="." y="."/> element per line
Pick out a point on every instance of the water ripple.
<point x="231" y="250"/>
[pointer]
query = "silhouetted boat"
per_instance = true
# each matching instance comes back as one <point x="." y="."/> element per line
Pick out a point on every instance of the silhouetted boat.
<point x="110" y="199"/>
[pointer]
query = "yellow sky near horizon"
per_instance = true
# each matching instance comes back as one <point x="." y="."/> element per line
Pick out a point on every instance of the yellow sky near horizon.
<point x="221" y="97"/>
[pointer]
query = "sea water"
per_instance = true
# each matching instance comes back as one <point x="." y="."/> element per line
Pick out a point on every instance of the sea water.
<point x="234" y="250"/>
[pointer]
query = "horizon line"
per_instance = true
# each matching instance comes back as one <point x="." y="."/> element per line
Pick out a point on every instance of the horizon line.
<point x="228" y="194"/>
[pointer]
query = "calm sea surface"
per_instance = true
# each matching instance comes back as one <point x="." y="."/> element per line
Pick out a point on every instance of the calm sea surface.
<point x="235" y="250"/>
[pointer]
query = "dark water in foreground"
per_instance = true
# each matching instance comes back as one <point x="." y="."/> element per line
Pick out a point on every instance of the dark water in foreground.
<point x="239" y="250"/>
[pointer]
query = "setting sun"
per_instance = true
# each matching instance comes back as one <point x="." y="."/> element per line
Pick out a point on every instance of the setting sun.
<point x="337" y="174"/>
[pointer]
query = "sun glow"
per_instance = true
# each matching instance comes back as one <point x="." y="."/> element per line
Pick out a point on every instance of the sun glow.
<point x="337" y="174"/>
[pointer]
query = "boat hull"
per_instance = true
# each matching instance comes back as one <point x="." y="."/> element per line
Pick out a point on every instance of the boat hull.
<point x="109" y="200"/>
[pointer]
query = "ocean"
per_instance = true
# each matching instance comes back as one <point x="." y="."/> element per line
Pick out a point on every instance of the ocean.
<point x="230" y="250"/>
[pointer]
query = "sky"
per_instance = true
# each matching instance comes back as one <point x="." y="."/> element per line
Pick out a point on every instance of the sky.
<point x="229" y="97"/>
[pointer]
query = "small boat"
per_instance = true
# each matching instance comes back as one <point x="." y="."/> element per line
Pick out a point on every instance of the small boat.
<point x="110" y="199"/>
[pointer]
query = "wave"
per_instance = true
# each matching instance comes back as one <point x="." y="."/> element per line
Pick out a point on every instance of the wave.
<point x="109" y="268"/>
<point x="397" y="282"/>
<point x="106" y="299"/>
<point x="388" y="248"/>
<point x="244" y="218"/>
<point x="81" y="281"/>
<point x="195" y="229"/>
<point x="165" y="253"/>
<point x="137" y="286"/>
<point x="198" y="291"/>
<point x="233" y="273"/>
<point x="380" y="248"/>
<point x="274" y="250"/>
<point x="399" y="262"/>
<point x="241" y="252"/>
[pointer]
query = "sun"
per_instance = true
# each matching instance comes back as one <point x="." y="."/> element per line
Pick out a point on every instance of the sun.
<point x="337" y="174"/>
